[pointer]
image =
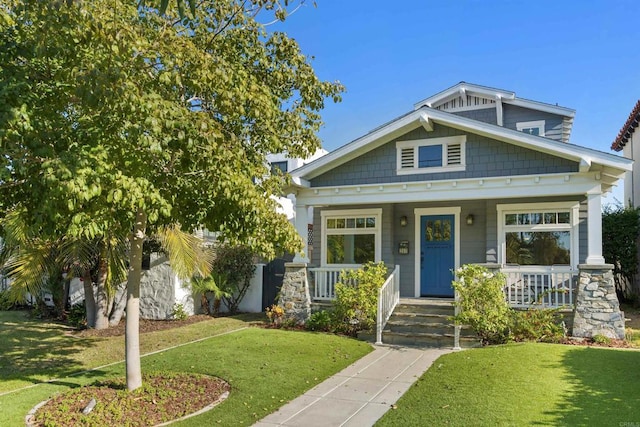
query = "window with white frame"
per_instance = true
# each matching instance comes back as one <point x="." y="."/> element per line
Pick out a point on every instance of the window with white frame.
<point x="351" y="237"/>
<point x="431" y="155"/>
<point x="539" y="234"/>
<point x="532" y="128"/>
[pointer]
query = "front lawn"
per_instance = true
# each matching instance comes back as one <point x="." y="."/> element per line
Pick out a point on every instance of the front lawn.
<point x="265" y="367"/>
<point x="525" y="384"/>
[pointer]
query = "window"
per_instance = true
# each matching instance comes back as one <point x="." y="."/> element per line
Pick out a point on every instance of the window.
<point x="539" y="234"/>
<point x="431" y="155"/>
<point x="279" y="166"/>
<point x="532" y="128"/>
<point x="351" y="237"/>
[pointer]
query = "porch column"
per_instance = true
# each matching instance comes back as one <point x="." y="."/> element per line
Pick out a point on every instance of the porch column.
<point x="594" y="233"/>
<point x="302" y="226"/>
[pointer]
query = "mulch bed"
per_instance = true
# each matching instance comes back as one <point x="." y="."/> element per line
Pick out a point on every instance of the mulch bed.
<point x="163" y="397"/>
<point x="145" y="326"/>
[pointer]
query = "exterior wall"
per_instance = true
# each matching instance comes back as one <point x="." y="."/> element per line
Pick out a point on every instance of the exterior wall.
<point x="485" y="158"/>
<point x="478" y="242"/>
<point x="632" y="179"/>
<point x="487" y="115"/>
<point x="553" y="124"/>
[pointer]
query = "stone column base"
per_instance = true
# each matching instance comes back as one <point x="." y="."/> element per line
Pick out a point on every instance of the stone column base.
<point x="597" y="311"/>
<point x="294" y="294"/>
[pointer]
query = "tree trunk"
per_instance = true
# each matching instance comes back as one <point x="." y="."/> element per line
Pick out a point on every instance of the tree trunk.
<point x="89" y="299"/>
<point x="118" y="305"/>
<point x="102" y="320"/>
<point x="132" y="329"/>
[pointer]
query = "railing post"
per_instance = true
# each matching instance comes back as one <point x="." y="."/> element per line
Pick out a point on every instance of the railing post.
<point x="379" y="318"/>
<point x="456" y="328"/>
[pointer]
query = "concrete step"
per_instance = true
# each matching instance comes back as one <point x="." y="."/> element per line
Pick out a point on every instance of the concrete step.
<point x="399" y="324"/>
<point x="415" y="339"/>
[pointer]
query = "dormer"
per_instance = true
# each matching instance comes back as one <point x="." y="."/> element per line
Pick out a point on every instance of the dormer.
<point x="503" y="108"/>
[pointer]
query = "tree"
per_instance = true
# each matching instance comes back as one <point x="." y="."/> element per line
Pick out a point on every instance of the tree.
<point x="116" y="120"/>
<point x="620" y="233"/>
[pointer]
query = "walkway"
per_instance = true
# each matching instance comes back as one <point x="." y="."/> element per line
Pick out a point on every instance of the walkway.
<point x="359" y="394"/>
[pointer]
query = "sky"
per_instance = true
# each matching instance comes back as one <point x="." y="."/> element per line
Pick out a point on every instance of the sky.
<point x="582" y="55"/>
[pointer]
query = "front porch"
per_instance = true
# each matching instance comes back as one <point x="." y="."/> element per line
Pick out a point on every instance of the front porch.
<point x="586" y="296"/>
<point x="525" y="287"/>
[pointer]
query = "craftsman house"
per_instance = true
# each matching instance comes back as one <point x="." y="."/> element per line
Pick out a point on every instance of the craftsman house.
<point x="472" y="174"/>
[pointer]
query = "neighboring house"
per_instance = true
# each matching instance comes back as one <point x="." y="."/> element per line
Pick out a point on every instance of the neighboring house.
<point x="284" y="164"/>
<point x="628" y="141"/>
<point x="472" y="174"/>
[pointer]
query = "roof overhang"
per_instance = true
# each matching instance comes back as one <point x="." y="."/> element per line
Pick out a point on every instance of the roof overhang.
<point x="588" y="159"/>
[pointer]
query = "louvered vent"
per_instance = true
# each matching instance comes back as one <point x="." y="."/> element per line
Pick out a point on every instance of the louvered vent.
<point x="406" y="158"/>
<point x="454" y="154"/>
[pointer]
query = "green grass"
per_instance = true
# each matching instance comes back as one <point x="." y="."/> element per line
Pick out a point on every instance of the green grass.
<point x="265" y="367"/>
<point x="32" y="351"/>
<point x="525" y="384"/>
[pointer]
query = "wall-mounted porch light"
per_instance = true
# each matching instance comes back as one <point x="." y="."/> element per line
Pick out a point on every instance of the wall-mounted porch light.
<point x="403" y="221"/>
<point x="470" y="219"/>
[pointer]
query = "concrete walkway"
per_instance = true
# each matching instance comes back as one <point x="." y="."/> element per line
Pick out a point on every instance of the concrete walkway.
<point x="359" y="394"/>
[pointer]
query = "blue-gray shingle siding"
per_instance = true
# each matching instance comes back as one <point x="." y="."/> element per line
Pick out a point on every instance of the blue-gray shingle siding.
<point x="553" y="123"/>
<point x="485" y="157"/>
<point x="487" y="115"/>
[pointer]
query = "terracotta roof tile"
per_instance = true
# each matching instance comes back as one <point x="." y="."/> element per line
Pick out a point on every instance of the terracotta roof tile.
<point x="625" y="133"/>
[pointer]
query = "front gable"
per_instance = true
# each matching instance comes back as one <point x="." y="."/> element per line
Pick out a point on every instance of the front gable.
<point x="483" y="157"/>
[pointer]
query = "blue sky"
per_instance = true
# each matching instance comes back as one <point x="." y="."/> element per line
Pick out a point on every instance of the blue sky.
<point x="582" y="55"/>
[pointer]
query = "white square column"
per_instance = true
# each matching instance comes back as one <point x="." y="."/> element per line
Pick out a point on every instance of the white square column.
<point x="302" y="226"/>
<point x="594" y="232"/>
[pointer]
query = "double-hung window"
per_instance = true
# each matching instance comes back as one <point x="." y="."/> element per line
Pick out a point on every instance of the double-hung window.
<point x="431" y="155"/>
<point x="351" y="237"/>
<point x="539" y="234"/>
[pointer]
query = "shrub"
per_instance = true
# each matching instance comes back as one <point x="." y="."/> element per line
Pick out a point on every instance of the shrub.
<point x="542" y="325"/>
<point x="320" y="321"/>
<point x="178" y="312"/>
<point x="77" y="316"/>
<point x="234" y="264"/>
<point x="356" y="303"/>
<point x="601" y="339"/>
<point x="482" y="304"/>
<point x="275" y="314"/>
<point x="620" y="232"/>
<point x="6" y="303"/>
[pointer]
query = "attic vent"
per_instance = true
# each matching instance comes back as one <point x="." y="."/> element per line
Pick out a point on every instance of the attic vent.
<point x="406" y="158"/>
<point x="454" y="154"/>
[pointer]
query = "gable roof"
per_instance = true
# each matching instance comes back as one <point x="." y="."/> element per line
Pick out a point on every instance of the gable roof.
<point x="627" y="130"/>
<point x="505" y="96"/>
<point x="426" y="116"/>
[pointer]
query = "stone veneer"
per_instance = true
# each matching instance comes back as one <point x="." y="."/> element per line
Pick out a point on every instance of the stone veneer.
<point x="294" y="294"/>
<point x="597" y="311"/>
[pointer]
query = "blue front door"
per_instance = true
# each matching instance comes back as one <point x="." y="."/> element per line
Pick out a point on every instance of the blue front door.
<point x="437" y="255"/>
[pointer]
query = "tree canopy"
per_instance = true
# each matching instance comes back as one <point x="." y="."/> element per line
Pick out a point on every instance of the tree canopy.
<point x="107" y="108"/>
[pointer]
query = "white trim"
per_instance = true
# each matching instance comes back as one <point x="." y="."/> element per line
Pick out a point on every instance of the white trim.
<point x="377" y="231"/>
<point x="445" y="142"/>
<point x="531" y="125"/>
<point x="573" y="226"/>
<point x="451" y="189"/>
<point x="419" y="212"/>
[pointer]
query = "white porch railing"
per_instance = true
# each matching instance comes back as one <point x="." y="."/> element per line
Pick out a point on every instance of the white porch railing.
<point x="325" y="279"/>
<point x="388" y="297"/>
<point x="530" y="286"/>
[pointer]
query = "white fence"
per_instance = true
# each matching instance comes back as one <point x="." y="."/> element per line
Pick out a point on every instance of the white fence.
<point x="533" y="287"/>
